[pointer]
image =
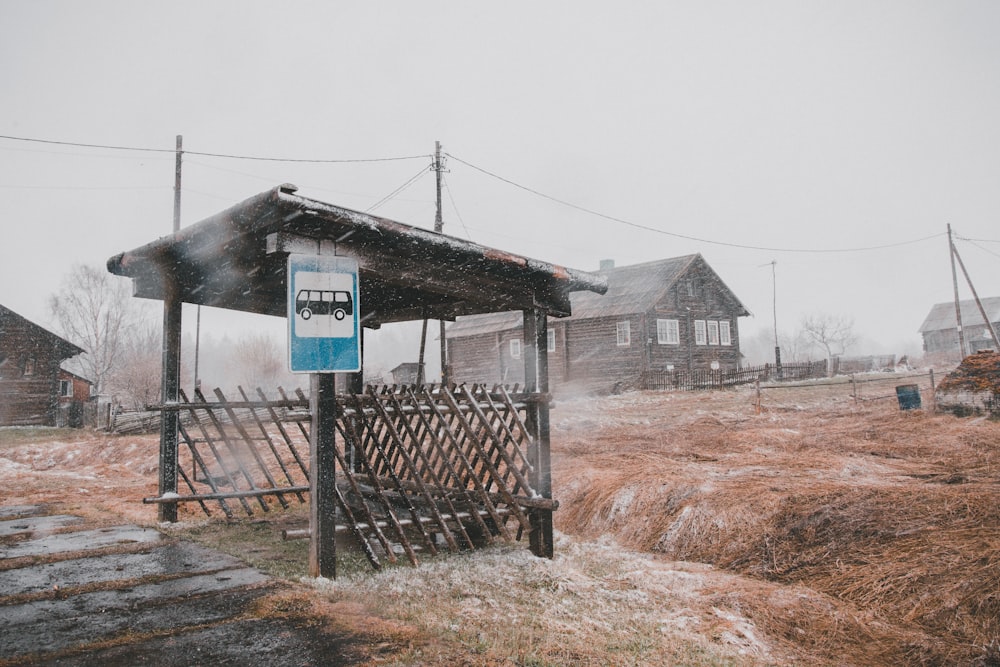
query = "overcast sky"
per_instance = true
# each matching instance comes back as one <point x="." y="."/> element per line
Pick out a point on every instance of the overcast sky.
<point x="761" y="131"/>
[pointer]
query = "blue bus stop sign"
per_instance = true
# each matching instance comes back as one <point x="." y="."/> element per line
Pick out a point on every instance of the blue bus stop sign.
<point x="323" y="314"/>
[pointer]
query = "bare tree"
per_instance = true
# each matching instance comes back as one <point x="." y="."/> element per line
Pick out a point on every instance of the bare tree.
<point x="258" y="361"/>
<point x="835" y="334"/>
<point x="96" y="311"/>
<point x="136" y="382"/>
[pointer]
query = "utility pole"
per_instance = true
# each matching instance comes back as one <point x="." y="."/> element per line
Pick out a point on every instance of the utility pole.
<point x="774" y="311"/>
<point x="438" y="226"/>
<point x="958" y="307"/>
<point x="982" y="311"/>
<point x="178" y="153"/>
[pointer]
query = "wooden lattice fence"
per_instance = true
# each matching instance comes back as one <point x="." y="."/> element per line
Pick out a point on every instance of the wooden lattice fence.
<point x="418" y="468"/>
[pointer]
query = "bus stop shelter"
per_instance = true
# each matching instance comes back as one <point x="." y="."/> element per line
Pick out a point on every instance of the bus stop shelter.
<point x="238" y="259"/>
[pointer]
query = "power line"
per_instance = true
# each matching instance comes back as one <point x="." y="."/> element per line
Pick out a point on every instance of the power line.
<point x="205" y="154"/>
<point x="413" y="179"/>
<point x="84" y="187"/>
<point x="973" y="242"/>
<point x="684" y="236"/>
<point x="454" y="206"/>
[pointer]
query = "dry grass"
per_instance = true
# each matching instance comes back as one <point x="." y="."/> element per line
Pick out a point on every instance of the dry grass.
<point x="692" y="530"/>
<point x="888" y="521"/>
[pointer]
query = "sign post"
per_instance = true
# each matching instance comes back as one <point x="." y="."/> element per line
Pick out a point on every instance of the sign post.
<point x="324" y="337"/>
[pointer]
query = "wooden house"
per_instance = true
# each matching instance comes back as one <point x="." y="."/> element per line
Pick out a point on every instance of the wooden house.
<point x="75" y="392"/>
<point x="30" y="357"/>
<point x="667" y="315"/>
<point x="940" y="329"/>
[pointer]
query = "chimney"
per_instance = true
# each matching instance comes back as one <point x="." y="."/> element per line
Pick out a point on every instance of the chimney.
<point x="607" y="264"/>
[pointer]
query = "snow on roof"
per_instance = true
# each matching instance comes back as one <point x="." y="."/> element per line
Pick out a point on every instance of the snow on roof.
<point x="942" y="315"/>
<point x="631" y="289"/>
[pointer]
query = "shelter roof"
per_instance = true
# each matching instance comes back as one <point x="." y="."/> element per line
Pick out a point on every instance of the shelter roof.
<point x="942" y="315"/>
<point x="236" y="259"/>
<point x="631" y="289"/>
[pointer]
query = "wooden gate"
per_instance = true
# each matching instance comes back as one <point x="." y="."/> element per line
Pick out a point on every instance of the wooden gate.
<point x="418" y="468"/>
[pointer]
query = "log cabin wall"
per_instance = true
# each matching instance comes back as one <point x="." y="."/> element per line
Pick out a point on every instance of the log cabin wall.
<point x="686" y="321"/>
<point x="29" y="371"/>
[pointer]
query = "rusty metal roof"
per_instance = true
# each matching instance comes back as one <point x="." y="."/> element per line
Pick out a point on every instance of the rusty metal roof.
<point x="236" y="259"/>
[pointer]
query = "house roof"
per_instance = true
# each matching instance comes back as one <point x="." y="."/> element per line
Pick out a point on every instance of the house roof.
<point x="631" y="289"/>
<point x="237" y="259"/>
<point x="8" y="317"/>
<point x="942" y="315"/>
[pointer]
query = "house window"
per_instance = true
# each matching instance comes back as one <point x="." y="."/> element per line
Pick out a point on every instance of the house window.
<point x="725" y="336"/>
<point x="515" y="349"/>
<point x="29" y="366"/>
<point x="713" y="332"/>
<point x="624" y="334"/>
<point x="667" y="332"/>
<point x="550" y="340"/>
<point x="65" y="388"/>
<point x="700" y="337"/>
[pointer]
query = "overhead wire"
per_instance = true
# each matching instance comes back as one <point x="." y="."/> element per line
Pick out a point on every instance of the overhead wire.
<point x="973" y="243"/>
<point x="207" y="154"/>
<point x="482" y="170"/>
<point x="413" y="179"/>
<point x="657" y="230"/>
<point x="454" y="206"/>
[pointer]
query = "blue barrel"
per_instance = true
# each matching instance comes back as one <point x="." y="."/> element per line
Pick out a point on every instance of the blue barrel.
<point x="908" y="396"/>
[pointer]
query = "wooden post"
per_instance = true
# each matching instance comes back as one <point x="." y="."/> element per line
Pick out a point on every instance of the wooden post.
<point x="170" y="382"/>
<point x="536" y="378"/>
<point x="323" y="477"/>
<point x="169" y="391"/>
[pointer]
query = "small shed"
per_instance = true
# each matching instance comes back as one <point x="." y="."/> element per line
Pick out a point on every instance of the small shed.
<point x="407" y="372"/>
<point x="238" y="259"/>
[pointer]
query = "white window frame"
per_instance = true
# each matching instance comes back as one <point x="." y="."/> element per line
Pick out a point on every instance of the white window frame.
<point x="515" y="348"/>
<point x="550" y="340"/>
<point x="725" y="334"/>
<point x="623" y="330"/>
<point x="65" y="388"/>
<point x="668" y="332"/>
<point x="700" y="336"/>
<point x="713" y="332"/>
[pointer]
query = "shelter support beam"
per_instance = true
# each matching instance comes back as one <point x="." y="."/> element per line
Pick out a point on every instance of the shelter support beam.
<point x="169" y="390"/>
<point x="536" y="377"/>
<point x="323" y="477"/>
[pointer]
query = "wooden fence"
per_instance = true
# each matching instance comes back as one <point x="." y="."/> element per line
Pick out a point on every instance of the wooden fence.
<point x="418" y="468"/>
<point x="719" y="379"/>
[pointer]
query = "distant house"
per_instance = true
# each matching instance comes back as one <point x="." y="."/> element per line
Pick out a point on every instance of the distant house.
<point x="407" y="372"/>
<point x="29" y="371"/>
<point x="672" y="314"/>
<point x="74" y="393"/>
<point x="940" y="330"/>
